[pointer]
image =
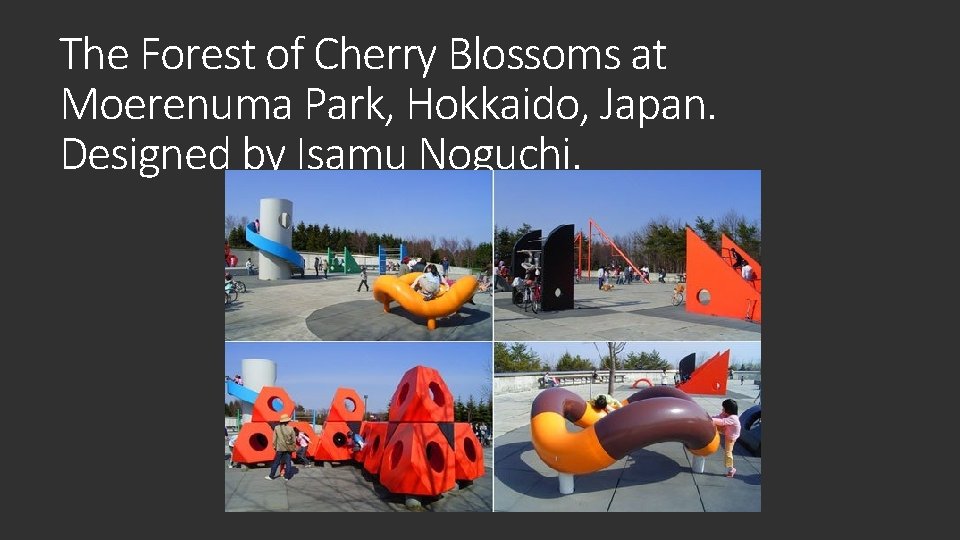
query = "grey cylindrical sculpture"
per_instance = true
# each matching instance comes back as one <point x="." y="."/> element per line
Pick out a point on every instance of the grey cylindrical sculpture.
<point x="276" y="224"/>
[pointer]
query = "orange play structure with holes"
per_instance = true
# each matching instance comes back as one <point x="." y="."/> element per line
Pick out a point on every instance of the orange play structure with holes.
<point x="420" y="451"/>
<point x="346" y="414"/>
<point x="715" y="287"/>
<point x="710" y="378"/>
<point x="387" y="289"/>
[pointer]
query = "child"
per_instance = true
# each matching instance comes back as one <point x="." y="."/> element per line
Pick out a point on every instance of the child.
<point x="606" y="403"/>
<point x="730" y="422"/>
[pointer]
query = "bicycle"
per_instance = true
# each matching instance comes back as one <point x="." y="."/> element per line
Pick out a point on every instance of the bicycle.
<point x="678" y="295"/>
<point x="532" y="297"/>
<point x="241" y="286"/>
<point x="230" y="294"/>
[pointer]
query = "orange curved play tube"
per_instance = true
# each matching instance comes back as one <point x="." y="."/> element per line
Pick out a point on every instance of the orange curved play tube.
<point x="388" y="288"/>
<point x="645" y="419"/>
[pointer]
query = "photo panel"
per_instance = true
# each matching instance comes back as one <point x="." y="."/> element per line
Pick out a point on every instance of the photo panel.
<point x="358" y="427"/>
<point x="358" y="256"/>
<point x="668" y="426"/>
<point x="627" y="255"/>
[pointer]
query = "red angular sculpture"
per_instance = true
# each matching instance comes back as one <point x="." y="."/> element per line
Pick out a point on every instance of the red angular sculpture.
<point x="418" y="460"/>
<point x="468" y="453"/>
<point x="710" y="377"/>
<point x="421" y="396"/>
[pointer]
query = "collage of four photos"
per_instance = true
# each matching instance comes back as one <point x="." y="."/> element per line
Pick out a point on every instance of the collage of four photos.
<point x="492" y="341"/>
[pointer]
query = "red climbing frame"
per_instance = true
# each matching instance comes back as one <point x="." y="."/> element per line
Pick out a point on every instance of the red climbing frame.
<point x="591" y="224"/>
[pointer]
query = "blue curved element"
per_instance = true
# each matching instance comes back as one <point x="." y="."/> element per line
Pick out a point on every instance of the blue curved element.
<point x="241" y="392"/>
<point x="276" y="249"/>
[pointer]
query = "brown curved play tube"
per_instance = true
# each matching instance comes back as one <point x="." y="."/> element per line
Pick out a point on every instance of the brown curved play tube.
<point x="388" y="289"/>
<point x="644" y="420"/>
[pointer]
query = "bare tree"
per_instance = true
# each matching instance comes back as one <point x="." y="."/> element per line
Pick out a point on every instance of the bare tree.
<point x="359" y="241"/>
<point x="615" y="349"/>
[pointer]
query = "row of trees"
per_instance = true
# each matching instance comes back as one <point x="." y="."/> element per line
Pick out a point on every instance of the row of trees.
<point x="473" y="411"/>
<point x="518" y="357"/>
<point x="316" y="238"/>
<point x="660" y="244"/>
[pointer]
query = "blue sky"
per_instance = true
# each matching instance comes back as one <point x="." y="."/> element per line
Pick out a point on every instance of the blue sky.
<point x="408" y="204"/>
<point x="621" y="201"/>
<point x="672" y="351"/>
<point x="311" y="372"/>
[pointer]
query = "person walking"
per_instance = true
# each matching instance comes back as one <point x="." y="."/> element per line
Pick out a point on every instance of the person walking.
<point x="284" y="443"/>
<point x="363" y="279"/>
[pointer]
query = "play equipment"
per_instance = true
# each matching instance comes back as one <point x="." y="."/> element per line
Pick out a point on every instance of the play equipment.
<point x="389" y="253"/>
<point x="389" y="288"/>
<point x="421" y="451"/>
<point x="638" y="381"/>
<point x="346" y="414"/>
<point x="260" y="403"/>
<point x="421" y="455"/>
<point x="710" y="378"/>
<point x="750" y="430"/>
<point x="556" y="265"/>
<point x="657" y="414"/>
<point x="229" y="259"/>
<point x="714" y="287"/>
<point x="277" y="259"/>
<point x="343" y="263"/>
<point x="591" y="224"/>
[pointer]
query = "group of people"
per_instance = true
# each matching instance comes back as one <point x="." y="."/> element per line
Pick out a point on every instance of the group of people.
<point x="320" y="265"/>
<point x="746" y="271"/>
<point x="482" y="432"/>
<point x="289" y="440"/>
<point x="236" y="378"/>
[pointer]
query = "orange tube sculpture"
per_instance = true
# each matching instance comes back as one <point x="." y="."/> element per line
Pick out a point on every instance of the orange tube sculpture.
<point x="649" y="416"/>
<point x="389" y="288"/>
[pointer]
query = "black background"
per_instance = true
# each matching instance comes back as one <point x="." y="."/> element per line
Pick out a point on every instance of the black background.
<point x="130" y="357"/>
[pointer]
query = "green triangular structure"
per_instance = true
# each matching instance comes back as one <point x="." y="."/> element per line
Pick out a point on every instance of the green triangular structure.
<point x="352" y="266"/>
<point x="336" y="264"/>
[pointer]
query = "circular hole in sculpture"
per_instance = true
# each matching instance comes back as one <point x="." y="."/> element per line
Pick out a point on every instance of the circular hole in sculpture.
<point x="396" y="454"/>
<point x="339" y="439"/>
<point x="437" y="395"/>
<point x="402" y="395"/>
<point x="435" y="457"/>
<point x="259" y="442"/>
<point x="469" y="449"/>
<point x="349" y="404"/>
<point x="703" y="296"/>
<point x="276" y="404"/>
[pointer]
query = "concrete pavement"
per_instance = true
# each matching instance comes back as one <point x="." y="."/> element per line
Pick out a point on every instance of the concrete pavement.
<point x="314" y="309"/>
<point x="342" y="487"/>
<point x="636" y="312"/>
<point x="655" y="478"/>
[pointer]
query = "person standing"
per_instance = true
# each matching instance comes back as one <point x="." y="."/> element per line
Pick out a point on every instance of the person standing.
<point x="729" y="425"/>
<point x="446" y="266"/>
<point x="303" y="441"/>
<point x="325" y="266"/>
<point x="284" y="443"/>
<point x="363" y="279"/>
<point x="316" y="265"/>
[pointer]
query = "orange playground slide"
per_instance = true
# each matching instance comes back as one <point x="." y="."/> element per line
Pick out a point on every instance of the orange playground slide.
<point x="389" y="288"/>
